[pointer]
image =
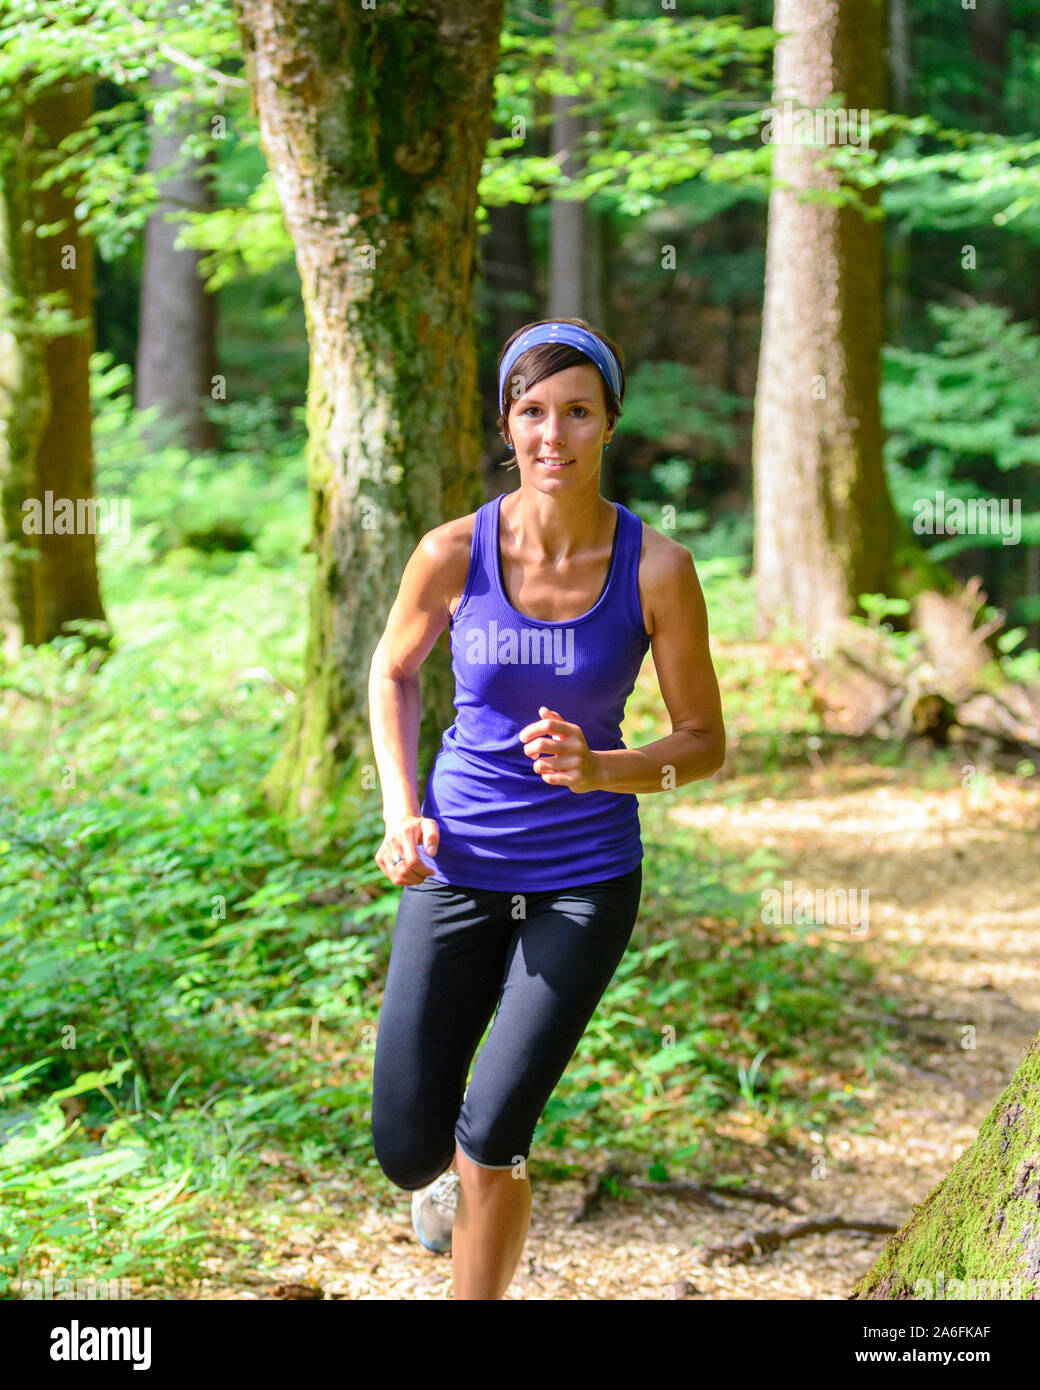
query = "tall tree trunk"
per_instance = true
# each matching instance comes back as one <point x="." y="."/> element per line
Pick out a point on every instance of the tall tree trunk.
<point x="576" y="231"/>
<point x="567" y="215"/>
<point x="375" y="123"/>
<point x="898" y="243"/>
<point x="989" y="49"/>
<point x="507" y="271"/>
<point x="506" y="294"/>
<point x="980" y="1222"/>
<point x="53" y="573"/>
<point x="593" y="287"/>
<point x="23" y="387"/>
<point x="595" y="282"/>
<point x="597" y="312"/>
<point x="176" y="344"/>
<point x="824" y="523"/>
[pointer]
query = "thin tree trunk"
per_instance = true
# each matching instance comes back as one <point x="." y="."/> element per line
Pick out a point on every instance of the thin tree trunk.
<point x="989" y="49"/>
<point x="506" y="289"/>
<point x="594" y="298"/>
<point x="567" y="215"/>
<point x="507" y="270"/>
<point x="595" y="280"/>
<point x="597" y="312"/>
<point x="375" y="122"/>
<point x="176" y="344"/>
<point x="898" y="259"/>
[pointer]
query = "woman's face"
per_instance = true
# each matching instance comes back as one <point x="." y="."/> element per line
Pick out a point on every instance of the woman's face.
<point x="559" y="427"/>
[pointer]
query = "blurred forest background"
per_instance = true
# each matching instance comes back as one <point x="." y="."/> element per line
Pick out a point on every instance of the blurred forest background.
<point x="256" y="267"/>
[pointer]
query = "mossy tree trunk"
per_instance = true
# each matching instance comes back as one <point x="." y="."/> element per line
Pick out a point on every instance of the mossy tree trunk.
<point x="374" y="121"/>
<point x="982" y="1222"/>
<point x="50" y="577"/>
<point x="825" y="527"/>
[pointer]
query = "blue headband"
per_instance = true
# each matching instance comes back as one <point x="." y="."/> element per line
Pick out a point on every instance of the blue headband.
<point x="588" y="343"/>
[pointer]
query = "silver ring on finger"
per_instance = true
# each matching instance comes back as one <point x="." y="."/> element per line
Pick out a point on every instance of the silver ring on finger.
<point x="397" y="860"/>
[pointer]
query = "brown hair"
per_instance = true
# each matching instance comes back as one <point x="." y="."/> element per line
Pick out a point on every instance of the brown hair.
<point x="546" y="359"/>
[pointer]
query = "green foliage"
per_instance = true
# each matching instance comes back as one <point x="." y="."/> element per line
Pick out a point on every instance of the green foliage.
<point x="110" y="1208"/>
<point x="244" y="237"/>
<point x="964" y="415"/>
<point x="961" y="434"/>
<point x="650" y="88"/>
<point x="124" y="44"/>
<point x="727" y="539"/>
<point x="667" y="404"/>
<point x="251" y="496"/>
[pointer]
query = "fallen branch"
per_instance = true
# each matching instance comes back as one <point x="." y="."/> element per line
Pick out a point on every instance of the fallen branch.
<point x="758" y="1240"/>
<point x="592" y="1190"/>
<point x="701" y="1193"/>
<point x="949" y="687"/>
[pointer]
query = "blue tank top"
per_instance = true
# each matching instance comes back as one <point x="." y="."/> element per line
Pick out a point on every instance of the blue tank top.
<point x="501" y="826"/>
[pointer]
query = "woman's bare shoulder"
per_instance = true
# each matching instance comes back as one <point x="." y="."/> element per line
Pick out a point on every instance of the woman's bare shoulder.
<point x="446" y="551"/>
<point x="448" y="543"/>
<point x="662" y="564"/>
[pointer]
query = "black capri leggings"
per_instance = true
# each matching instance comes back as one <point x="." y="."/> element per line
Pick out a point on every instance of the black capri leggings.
<point x="457" y="952"/>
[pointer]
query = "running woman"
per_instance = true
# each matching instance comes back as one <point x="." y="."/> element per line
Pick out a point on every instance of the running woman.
<point x="522" y="869"/>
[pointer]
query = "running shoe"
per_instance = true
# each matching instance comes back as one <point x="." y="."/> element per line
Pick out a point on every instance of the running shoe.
<point x="433" y="1211"/>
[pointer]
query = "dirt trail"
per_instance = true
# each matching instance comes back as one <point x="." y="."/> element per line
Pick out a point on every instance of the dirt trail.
<point x="953" y="878"/>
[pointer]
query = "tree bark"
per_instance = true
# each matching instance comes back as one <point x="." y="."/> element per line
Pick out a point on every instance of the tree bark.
<point x="825" y="528"/>
<point x="506" y="294"/>
<point x="176" y="344"/>
<point x="898" y="243"/>
<point x="980" y="1222"/>
<point x="989" y="49"/>
<point x="375" y="122"/>
<point x="51" y="577"/>
<point x="23" y="388"/>
<point x="567" y="215"/>
<point x="507" y="272"/>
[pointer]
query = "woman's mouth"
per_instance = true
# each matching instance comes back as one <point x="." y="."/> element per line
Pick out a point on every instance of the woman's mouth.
<point x="555" y="463"/>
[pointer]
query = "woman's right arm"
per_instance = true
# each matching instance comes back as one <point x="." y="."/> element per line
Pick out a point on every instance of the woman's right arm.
<point x="419" y="615"/>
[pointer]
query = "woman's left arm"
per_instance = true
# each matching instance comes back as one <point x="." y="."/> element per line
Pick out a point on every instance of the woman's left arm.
<point x="696" y="747"/>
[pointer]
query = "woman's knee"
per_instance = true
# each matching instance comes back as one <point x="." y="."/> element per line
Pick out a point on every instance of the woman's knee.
<point x="493" y="1144"/>
<point x="412" y="1161"/>
<point x="479" y="1179"/>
